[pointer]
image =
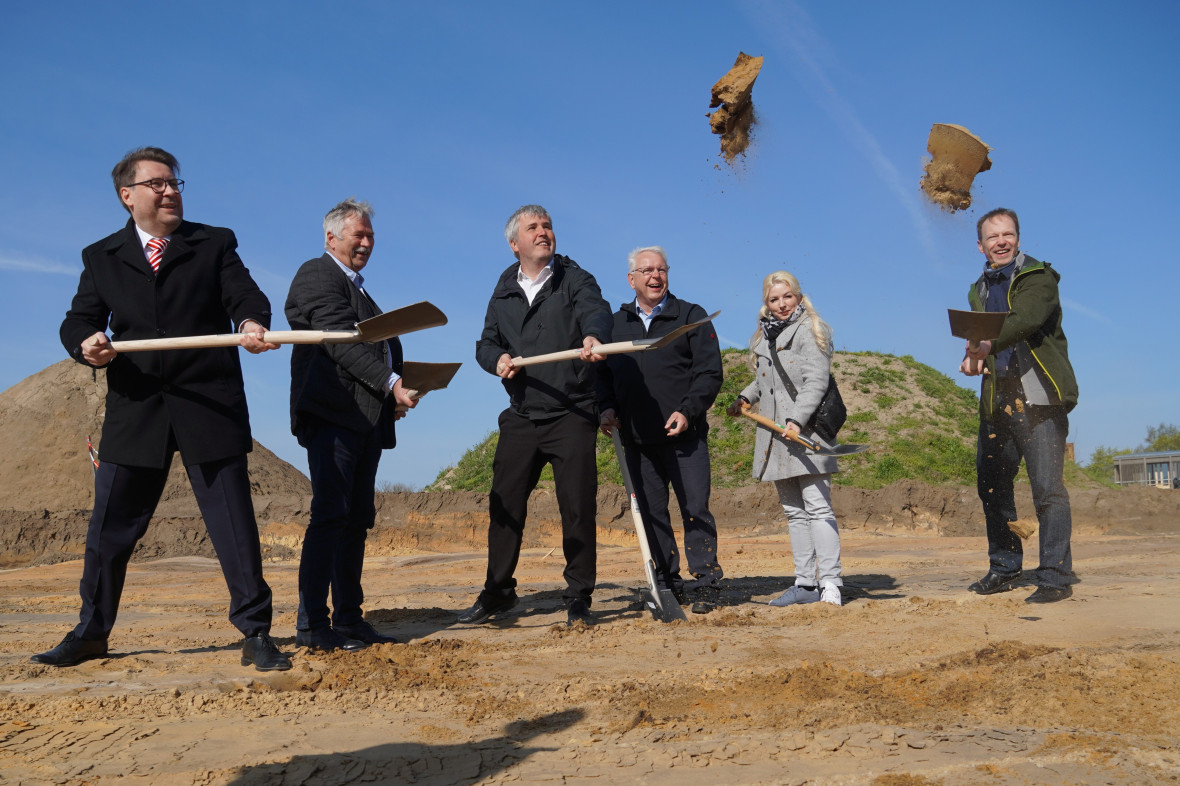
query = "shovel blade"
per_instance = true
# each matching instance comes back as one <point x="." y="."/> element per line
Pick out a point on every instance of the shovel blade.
<point x="668" y="338"/>
<point x="425" y="377"/>
<point x="662" y="605"/>
<point x="976" y="325"/>
<point x="400" y="321"/>
<point x="843" y="450"/>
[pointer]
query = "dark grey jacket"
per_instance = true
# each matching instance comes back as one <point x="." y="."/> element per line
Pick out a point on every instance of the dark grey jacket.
<point x="568" y="308"/>
<point x="343" y="384"/>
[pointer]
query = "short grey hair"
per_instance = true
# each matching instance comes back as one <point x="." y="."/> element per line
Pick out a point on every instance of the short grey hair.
<point x="652" y="249"/>
<point x="512" y="228"/>
<point x="334" y="221"/>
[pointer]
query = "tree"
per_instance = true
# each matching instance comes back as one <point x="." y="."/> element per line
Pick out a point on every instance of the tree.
<point x="1101" y="466"/>
<point x="1163" y="437"/>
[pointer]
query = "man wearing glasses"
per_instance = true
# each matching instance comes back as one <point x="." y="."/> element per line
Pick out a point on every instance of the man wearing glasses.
<point x="659" y="400"/>
<point x="162" y="276"/>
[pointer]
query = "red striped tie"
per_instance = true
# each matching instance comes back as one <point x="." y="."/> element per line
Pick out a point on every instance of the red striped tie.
<point x="156" y="248"/>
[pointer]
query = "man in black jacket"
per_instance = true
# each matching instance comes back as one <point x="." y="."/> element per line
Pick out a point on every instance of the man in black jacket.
<point x="344" y="400"/>
<point x="659" y="400"/>
<point x="545" y="303"/>
<point x="161" y="276"/>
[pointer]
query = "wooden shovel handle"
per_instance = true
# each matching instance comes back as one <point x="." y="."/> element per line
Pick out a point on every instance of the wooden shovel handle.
<point x="235" y="339"/>
<point x="770" y="424"/>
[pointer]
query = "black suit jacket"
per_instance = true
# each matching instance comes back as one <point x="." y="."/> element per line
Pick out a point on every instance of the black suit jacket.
<point x="343" y="384"/>
<point x="202" y="288"/>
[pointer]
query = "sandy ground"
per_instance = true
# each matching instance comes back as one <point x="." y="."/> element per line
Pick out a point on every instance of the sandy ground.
<point x="913" y="681"/>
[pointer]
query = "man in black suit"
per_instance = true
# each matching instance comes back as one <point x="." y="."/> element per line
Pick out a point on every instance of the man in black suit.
<point x="344" y="400"/>
<point x="163" y="276"/>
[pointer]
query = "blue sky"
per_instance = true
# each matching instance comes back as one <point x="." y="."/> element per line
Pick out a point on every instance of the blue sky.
<point x="447" y="116"/>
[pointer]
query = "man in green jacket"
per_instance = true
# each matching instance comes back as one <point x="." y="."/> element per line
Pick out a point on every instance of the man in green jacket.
<point x="1027" y="393"/>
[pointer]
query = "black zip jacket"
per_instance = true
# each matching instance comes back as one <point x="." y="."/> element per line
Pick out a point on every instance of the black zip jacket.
<point x="645" y="388"/>
<point x="568" y="308"/>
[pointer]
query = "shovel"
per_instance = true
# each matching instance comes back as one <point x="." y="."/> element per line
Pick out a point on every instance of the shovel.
<point x="810" y="444"/>
<point x="418" y="316"/>
<point x="421" y="378"/>
<point x="976" y="326"/>
<point x="617" y="348"/>
<point x="659" y="600"/>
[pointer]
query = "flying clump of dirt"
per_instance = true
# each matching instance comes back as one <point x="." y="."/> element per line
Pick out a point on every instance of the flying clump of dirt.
<point x="735" y="117"/>
<point x="957" y="157"/>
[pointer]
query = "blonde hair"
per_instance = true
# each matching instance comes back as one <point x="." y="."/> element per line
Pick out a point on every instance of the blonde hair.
<point x="819" y="328"/>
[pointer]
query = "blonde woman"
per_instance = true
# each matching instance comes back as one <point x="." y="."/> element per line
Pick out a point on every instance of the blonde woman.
<point x="792" y="353"/>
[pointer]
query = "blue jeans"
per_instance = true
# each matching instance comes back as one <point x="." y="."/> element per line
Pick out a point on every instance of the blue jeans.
<point x="1038" y="435"/>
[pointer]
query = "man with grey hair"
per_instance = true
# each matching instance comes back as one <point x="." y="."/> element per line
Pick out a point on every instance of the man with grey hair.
<point x="344" y="400"/>
<point x="542" y="303"/>
<point x="659" y="400"/>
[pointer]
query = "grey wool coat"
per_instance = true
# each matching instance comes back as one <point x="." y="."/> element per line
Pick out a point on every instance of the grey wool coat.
<point x="798" y="357"/>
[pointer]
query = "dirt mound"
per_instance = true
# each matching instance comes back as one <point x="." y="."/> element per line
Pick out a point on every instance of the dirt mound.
<point x="47" y="481"/>
<point x="735" y="117"/>
<point x="957" y="157"/>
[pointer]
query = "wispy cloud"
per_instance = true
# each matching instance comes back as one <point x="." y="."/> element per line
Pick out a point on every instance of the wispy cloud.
<point x="26" y="265"/>
<point x="789" y="26"/>
<point x="1086" y="311"/>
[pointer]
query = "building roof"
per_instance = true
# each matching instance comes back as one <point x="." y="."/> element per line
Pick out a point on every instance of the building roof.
<point x="1159" y="454"/>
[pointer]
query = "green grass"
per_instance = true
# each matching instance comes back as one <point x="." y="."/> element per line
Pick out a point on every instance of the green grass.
<point x="934" y="444"/>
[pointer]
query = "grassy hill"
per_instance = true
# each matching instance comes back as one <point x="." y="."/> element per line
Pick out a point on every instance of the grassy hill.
<point x="920" y="425"/>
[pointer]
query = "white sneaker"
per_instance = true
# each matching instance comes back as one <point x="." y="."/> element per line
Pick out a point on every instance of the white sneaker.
<point x="831" y="594"/>
<point x="796" y="595"/>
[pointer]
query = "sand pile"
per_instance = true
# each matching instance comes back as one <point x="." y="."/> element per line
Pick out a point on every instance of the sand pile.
<point x="47" y="480"/>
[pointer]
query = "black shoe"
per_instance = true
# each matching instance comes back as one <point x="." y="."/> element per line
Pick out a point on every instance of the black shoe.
<point x="1049" y="594"/>
<point x="72" y="651"/>
<point x="578" y="610"/>
<point x="327" y="640"/>
<point x="364" y="632"/>
<point x="485" y="607"/>
<point x="993" y="583"/>
<point x="675" y="585"/>
<point x="263" y="653"/>
<point x="704" y="598"/>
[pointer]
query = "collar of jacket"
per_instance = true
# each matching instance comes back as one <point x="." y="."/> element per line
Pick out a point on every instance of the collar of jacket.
<point x="126" y="246"/>
<point x="507" y="286"/>
<point x="671" y="308"/>
<point x="1024" y="264"/>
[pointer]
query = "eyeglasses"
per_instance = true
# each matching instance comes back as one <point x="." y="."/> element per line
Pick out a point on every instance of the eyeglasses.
<point x="160" y="185"/>
<point x="648" y="272"/>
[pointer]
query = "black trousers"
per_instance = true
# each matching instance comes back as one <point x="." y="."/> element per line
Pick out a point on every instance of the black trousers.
<point x="125" y="499"/>
<point x="343" y="469"/>
<point x="525" y="447"/>
<point x="685" y="466"/>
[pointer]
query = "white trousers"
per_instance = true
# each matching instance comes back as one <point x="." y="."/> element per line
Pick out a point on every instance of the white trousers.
<point x="815" y="540"/>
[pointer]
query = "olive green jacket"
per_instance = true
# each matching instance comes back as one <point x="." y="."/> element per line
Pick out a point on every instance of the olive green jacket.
<point x="1033" y="328"/>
